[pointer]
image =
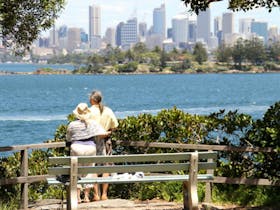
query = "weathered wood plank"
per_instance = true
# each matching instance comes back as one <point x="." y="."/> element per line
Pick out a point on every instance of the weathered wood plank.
<point x="147" y="178"/>
<point x="134" y="158"/>
<point x="246" y="181"/>
<point x="20" y="180"/>
<point x="192" y="184"/>
<point x="24" y="173"/>
<point x="162" y="167"/>
<point x="72" y="192"/>
<point x="196" y="146"/>
<point x="32" y="146"/>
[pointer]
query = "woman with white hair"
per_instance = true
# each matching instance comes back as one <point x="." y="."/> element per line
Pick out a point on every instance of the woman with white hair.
<point x="82" y="134"/>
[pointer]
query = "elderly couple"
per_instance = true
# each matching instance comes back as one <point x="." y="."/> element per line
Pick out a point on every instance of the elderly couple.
<point x="88" y="134"/>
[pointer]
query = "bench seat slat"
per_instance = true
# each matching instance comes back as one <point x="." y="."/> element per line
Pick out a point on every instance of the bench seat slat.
<point x="158" y="178"/>
<point x="132" y="168"/>
<point x="134" y="158"/>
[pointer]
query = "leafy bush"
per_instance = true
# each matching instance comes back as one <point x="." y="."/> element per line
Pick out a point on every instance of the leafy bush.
<point x="175" y="126"/>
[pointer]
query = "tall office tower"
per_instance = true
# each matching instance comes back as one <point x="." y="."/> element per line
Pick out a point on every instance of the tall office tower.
<point x="62" y="31"/>
<point x="159" y="21"/>
<point x="143" y="29"/>
<point x="53" y="37"/>
<point x="260" y="28"/>
<point x="273" y="35"/>
<point x="180" y="29"/>
<point x="192" y="31"/>
<point x="62" y="37"/>
<point x="217" y="25"/>
<point x="169" y="33"/>
<point x="74" y="39"/>
<point x="227" y="24"/>
<point x="203" y="26"/>
<point x="118" y="33"/>
<point x="110" y="36"/>
<point x="84" y="36"/>
<point x="245" y="25"/>
<point x="129" y="33"/>
<point x="94" y="23"/>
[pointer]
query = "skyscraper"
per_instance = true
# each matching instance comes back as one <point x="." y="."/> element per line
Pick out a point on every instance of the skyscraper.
<point x="110" y="35"/>
<point x="227" y="23"/>
<point x="159" y="21"/>
<point x="180" y="29"/>
<point x="94" y="23"/>
<point x="74" y="38"/>
<point x="127" y="33"/>
<point x="192" y="31"/>
<point x="203" y="26"/>
<point x="217" y="25"/>
<point x="245" y="25"/>
<point x="260" y="29"/>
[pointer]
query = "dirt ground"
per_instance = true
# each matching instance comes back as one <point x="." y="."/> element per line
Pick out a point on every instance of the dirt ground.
<point x="121" y="204"/>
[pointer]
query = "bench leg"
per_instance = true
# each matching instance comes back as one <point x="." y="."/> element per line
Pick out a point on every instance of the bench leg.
<point x="192" y="184"/>
<point x="72" y="199"/>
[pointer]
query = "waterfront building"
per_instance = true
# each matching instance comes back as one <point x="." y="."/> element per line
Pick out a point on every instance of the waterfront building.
<point x="128" y="33"/>
<point x="94" y="24"/>
<point x="53" y="38"/>
<point x="203" y="26"/>
<point x="273" y="35"/>
<point x="74" y="39"/>
<point x="192" y="31"/>
<point x="245" y="25"/>
<point x="143" y="29"/>
<point x="154" y="40"/>
<point x="180" y="29"/>
<point x="159" y="21"/>
<point x="110" y="35"/>
<point x="84" y="36"/>
<point x="227" y="27"/>
<point x="259" y="28"/>
<point x="217" y="25"/>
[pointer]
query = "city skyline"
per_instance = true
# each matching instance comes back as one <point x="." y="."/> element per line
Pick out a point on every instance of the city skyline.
<point x="113" y="12"/>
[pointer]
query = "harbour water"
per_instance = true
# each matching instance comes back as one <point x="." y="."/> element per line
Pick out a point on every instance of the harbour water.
<point x="32" y="106"/>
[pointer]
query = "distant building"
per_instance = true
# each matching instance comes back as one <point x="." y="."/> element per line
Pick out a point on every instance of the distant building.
<point x="192" y="29"/>
<point x="159" y="21"/>
<point x="260" y="29"/>
<point x="273" y="35"/>
<point x="94" y="23"/>
<point x="143" y="29"/>
<point x="245" y="25"/>
<point x="84" y="36"/>
<point x="203" y="26"/>
<point x="227" y="24"/>
<point x="53" y="38"/>
<point x="180" y="29"/>
<point x="127" y="33"/>
<point x="217" y="25"/>
<point x="74" y="39"/>
<point x="110" y="35"/>
<point x="154" y="40"/>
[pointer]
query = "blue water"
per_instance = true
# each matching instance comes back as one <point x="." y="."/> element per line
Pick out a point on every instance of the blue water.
<point x="19" y="67"/>
<point x="32" y="106"/>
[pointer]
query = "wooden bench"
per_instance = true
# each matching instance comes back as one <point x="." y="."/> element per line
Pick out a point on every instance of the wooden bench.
<point x="160" y="167"/>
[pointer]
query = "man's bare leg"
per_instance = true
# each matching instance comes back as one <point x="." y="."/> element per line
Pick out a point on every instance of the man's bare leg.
<point x="105" y="188"/>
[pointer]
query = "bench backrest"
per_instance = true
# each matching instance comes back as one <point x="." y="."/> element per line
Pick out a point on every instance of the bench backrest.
<point x="161" y="162"/>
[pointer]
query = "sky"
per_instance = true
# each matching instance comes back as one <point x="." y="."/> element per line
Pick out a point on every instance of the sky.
<point x="76" y="12"/>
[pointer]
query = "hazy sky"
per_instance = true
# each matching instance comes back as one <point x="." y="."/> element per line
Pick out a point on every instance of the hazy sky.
<point x="76" y="12"/>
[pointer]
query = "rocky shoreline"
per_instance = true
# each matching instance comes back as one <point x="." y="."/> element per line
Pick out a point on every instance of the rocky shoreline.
<point x="67" y="72"/>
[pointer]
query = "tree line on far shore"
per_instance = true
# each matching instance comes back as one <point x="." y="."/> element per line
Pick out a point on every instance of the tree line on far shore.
<point x="244" y="55"/>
